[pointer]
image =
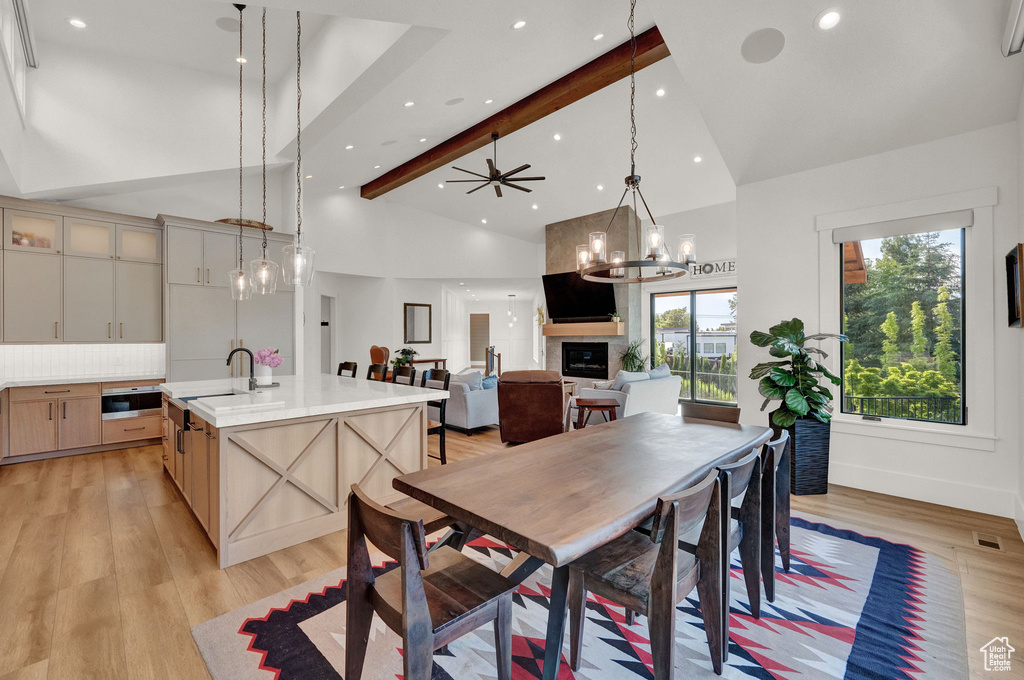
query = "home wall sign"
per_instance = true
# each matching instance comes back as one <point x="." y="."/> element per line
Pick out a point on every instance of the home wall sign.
<point x="714" y="269"/>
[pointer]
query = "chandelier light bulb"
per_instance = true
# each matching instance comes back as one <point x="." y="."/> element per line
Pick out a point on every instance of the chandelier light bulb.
<point x="687" y="248"/>
<point x="655" y="237"/>
<point x="598" y="245"/>
<point x="618" y="272"/>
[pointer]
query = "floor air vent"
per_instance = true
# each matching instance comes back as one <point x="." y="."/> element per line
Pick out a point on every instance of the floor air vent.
<point x="987" y="541"/>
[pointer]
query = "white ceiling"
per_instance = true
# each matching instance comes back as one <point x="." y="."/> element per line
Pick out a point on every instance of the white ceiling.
<point x="891" y="74"/>
<point x="487" y="291"/>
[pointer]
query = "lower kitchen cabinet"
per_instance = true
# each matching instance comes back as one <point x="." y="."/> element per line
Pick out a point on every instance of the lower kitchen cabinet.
<point x="130" y="429"/>
<point x="33" y="428"/>
<point x="79" y="422"/>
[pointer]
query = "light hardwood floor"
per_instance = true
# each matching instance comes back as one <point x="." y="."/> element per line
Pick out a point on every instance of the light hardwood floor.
<point x="104" y="570"/>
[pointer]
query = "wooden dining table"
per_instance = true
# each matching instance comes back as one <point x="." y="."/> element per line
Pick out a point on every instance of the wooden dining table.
<point x="558" y="498"/>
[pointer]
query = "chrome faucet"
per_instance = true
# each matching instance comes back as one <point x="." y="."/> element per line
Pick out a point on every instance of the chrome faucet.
<point x="252" y="365"/>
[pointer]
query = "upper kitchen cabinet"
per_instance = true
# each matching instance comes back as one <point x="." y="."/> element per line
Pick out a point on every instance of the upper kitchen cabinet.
<point x="138" y="291"/>
<point x="139" y="244"/>
<point x="220" y="256"/>
<point x="32" y="297"/>
<point x="88" y="300"/>
<point x="88" y="238"/>
<point x="200" y="258"/>
<point x="32" y="231"/>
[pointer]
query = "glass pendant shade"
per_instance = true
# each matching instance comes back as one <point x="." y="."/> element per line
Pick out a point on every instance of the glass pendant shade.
<point x="654" y="240"/>
<point x="241" y="284"/>
<point x="598" y="247"/>
<point x="663" y="269"/>
<point x="264" y="276"/>
<point x="582" y="257"/>
<point x="618" y="272"/>
<point x="687" y="248"/>
<point x="297" y="262"/>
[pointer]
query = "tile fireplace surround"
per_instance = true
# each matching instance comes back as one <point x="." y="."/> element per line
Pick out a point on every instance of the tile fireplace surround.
<point x="561" y="239"/>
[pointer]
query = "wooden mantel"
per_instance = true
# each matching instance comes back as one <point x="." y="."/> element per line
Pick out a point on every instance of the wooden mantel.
<point x="570" y="329"/>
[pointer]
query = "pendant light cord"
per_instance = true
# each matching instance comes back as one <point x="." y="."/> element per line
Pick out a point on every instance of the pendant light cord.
<point x="264" y="230"/>
<point x="632" y="88"/>
<point x="241" y="63"/>
<point x="298" y="127"/>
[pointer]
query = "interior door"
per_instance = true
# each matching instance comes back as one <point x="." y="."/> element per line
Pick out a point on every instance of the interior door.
<point x="88" y="300"/>
<point x="139" y="294"/>
<point x="32" y="297"/>
<point x="479" y="337"/>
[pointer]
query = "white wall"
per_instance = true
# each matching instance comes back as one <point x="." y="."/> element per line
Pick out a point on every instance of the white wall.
<point x="454" y="331"/>
<point x="515" y="344"/>
<point x="1019" y="507"/>
<point x="778" y="274"/>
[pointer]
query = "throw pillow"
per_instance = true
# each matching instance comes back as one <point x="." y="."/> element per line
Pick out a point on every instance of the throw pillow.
<point x="624" y="377"/>
<point x="474" y="379"/>
<point x="662" y="371"/>
<point x="490" y="382"/>
<point x="603" y="384"/>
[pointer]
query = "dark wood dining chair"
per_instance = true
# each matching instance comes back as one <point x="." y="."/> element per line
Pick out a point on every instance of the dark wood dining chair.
<point x="377" y="372"/>
<point x="403" y="375"/>
<point x="724" y="414"/>
<point x="653" y="574"/>
<point x="775" y="479"/>
<point x="348" y="369"/>
<point x="430" y="599"/>
<point x="441" y="380"/>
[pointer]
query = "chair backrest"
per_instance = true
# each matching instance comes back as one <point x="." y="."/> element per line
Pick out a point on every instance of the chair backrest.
<point x="384" y="528"/>
<point x="379" y="355"/>
<point x="690" y="507"/>
<point x="741" y="472"/>
<point x="377" y="372"/>
<point x="348" y="369"/>
<point x="435" y="375"/>
<point x="724" y="414"/>
<point x="403" y="375"/>
<point x="774" y="451"/>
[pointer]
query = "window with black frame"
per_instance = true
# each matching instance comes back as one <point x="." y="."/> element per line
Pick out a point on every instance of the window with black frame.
<point x="903" y="311"/>
<point x="694" y="332"/>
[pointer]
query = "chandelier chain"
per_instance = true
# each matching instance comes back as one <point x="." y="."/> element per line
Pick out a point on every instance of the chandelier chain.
<point x="264" y="132"/>
<point x="298" y="125"/>
<point x="241" y="63"/>
<point x="632" y="88"/>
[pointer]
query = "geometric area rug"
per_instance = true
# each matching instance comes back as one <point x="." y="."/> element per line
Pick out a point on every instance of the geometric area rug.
<point x="852" y="607"/>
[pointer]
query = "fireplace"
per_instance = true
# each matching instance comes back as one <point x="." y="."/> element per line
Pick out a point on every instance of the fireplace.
<point x="585" y="360"/>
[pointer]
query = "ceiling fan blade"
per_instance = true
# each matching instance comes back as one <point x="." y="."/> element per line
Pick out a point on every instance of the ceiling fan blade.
<point x="467" y="180"/>
<point x="513" y="186"/>
<point x="519" y="169"/>
<point x="497" y="190"/>
<point x="525" y="179"/>
<point x="478" y="188"/>
<point x="470" y="172"/>
<point x="490" y="166"/>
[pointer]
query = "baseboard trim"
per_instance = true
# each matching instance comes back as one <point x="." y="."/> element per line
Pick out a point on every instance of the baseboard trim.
<point x="929" y="490"/>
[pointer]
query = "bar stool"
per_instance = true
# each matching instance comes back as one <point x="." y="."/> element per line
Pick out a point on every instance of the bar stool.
<point x="347" y="369"/>
<point x="436" y="376"/>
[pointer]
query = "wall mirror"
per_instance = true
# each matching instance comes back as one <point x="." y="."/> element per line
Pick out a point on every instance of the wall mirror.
<point x="418" y="321"/>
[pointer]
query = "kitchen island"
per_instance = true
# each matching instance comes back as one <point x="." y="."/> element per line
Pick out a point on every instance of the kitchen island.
<point x="268" y="469"/>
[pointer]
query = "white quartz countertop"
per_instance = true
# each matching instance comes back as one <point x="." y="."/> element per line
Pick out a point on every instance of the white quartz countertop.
<point x="77" y="380"/>
<point x="297" y="397"/>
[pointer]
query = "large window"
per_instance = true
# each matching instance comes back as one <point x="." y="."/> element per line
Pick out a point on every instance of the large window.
<point x="694" y="332"/>
<point x="902" y="308"/>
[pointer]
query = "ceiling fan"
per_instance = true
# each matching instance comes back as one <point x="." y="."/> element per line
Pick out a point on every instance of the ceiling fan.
<point x="495" y="177"/>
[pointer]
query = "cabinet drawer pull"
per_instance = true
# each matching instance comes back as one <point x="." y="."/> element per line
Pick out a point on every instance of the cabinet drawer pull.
<point x="65" y="416"/>
<point x="210" y="436"/>
<point x="207" y="275"/>
<point x="133" y="429"/>
<point x="51" y="411"/>
<point x="55" y="391"/>
<point x="55" y="329"/>
<point x="122" y="330"/>
<point x="198" y="279"/>
<point x="109" y="328"/>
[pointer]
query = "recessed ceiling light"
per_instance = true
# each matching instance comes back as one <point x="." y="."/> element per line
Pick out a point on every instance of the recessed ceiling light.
<point x="534" y="206"/>
<point x="598" y="36"/>
<point x="488" y="101"/>
<point x="483" y="221"/>
<point x="519" y="24"/>
<point x="763" y="45"/>
<point x="600" y="187"/>
<point x="557" y="137"/>
<point x="241" y="60"/>
<point x="827" y="20"/>
<point x="309" y="176"/>
<point x="342" y="186"/>
<point x="408" y="104"/>
<point x="660" y="92"/>
<point x="423" y="139"/>
<point x="461" y="283"/>
<point x="453" y="102"/>
<point x="77" y="23"/>
<point x="697" y="159"/>
<point x="376" y="167"/>
<point x="440" y="185"/>
<point x="349" y="147"/>
<point x="389" y="142"/>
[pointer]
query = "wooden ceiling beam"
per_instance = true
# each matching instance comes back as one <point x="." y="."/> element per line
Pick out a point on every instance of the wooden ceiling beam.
<point x="610" y="67"/>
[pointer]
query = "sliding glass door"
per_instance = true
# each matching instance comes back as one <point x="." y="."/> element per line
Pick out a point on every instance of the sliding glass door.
<point x="694" y="332"/>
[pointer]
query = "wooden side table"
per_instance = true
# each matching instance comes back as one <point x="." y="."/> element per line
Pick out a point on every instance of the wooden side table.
<point x="588" y="406"/>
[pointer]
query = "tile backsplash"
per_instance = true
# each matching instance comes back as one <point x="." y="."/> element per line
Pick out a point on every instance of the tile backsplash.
<point x="71" y="360"/>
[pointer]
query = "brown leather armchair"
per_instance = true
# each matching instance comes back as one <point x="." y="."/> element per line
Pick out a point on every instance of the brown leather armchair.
<point x="530" y="405"/>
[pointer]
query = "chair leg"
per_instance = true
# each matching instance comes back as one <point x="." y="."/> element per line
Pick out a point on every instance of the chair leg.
<point x="709" y="590"/>
<point x="503" y="637"/>
<point x="417" y="659"/>
<point x="444" y="458"/>
<point x="768" y="493"/>
<point x="661" y="628"/>
<point x="577" y="618"/>
<point x="630" y="617"/>
<point x="782" y="490"/>
<point x="750" y="559"/>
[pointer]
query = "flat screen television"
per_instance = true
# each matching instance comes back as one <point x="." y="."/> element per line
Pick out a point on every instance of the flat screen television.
<point x="571" y="299"/>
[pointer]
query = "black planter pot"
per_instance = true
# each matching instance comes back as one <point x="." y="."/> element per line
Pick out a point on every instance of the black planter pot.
<point x="809" y="439"/>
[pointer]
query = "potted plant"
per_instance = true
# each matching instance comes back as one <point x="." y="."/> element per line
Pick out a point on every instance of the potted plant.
<point x="404" y="357"/>
<point x="633" y="358"/>
<point x="266" y="360"/>
<point x="796" y="380"/>
<point x="615" y="317"/>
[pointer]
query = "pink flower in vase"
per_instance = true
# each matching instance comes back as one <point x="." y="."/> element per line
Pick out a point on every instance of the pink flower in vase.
<point x="269" y="357"/>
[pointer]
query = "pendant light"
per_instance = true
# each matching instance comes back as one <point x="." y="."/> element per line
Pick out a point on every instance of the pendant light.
<point x="512" y="318"/>
<point x="592" y="260"/>
<point x="264" y="270"/>
<point x="298" y="259"/>
<point x="239" y="281"/>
